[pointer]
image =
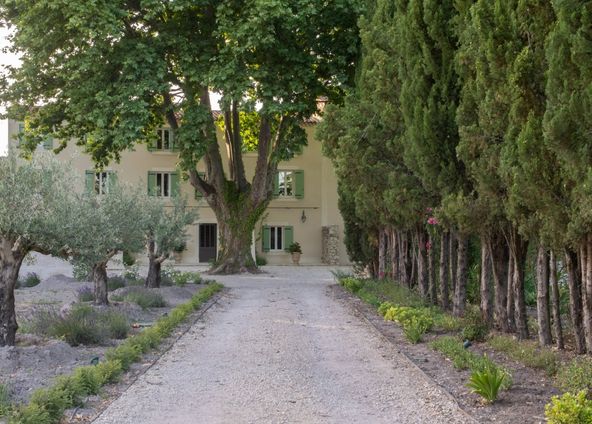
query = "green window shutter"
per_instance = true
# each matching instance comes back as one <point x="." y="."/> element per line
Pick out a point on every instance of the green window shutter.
<point x="266" y="238"/>
<point x="90" y="182"/>
<point x="152" y="183"/>
<point x="198" y="194"/>
<point x="111" y="178"/>
<point x="299" y="184"/>
<point x="288" y="236"/>
<point x="175" y="184"/>
<point x="276" y="185"/>
<point x="172" y="141"/>
<point x="48" y="143"/>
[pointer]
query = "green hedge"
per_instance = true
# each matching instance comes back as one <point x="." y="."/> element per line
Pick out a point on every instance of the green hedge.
<point x="48" y="405"/>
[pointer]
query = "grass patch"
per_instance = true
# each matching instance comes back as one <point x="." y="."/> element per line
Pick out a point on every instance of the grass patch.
<point x="452" y="348"/>
<point x="86" y="294"/>
<point x="527" y="353"/>
<point x="83" y="325"/>
<point x="145" y="298"/>
<point x="48" y="405"/>
<point x="4" y="400"/>
<point x="576" y="376"/>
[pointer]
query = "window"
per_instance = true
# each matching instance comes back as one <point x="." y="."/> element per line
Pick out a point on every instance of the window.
<point x="289" y="184"/>
<point x="163" y="184"/>
<point x="99" y="182"/>
<point x="277" y="238"/>
<point x="164" y="140"/>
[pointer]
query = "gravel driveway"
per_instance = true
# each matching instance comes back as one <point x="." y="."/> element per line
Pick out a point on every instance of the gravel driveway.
<point x="278" y="349"/>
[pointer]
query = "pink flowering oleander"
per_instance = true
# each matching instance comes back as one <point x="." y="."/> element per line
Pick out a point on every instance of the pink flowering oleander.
<point x="432" y="221"/>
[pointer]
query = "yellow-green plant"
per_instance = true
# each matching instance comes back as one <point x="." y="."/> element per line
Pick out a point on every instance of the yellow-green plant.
<point x="569" y="409"/>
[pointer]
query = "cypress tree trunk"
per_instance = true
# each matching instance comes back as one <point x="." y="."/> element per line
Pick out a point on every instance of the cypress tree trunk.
<point x="555" y="301"/>
<point x="381" y="254"/>
<point x="575" y="299"/>
<point x="500" y="259"/>
<point x="520" y="247"/>
<point x="486" y="292"/>
<point x="99" y="271"/>
<point x="543" y="315"/>
<point x="396" y="274"/>
<point x="405" y="279"/>
<point x="444" y="290"/>
<point x="10" y="265"/>
<point x="587" y="291"/>
<point x="422" y="265"/>
<point x="411" y="260"/>
<point x="452" y="262"/>
<point x="432" y="287"/>
<point x="510" y="310"/>
<point x="460" y="293"/>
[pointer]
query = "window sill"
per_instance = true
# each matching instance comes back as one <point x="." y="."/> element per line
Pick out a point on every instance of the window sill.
<point x="163" y="152"/>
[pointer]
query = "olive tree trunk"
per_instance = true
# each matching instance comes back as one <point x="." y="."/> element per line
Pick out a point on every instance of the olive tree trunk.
<point x="10" y="265"/>
<point x="99" y="273"/>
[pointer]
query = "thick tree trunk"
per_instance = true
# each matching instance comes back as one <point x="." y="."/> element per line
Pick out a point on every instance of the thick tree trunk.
<point x="381" y="254"/>
<point x="543" y="315"/>
<point x="499" y="262"/>
<point x="575" y="299"/>
<point x="460" y="293"/>
<point x="587" y="291"/>
<point x="10" y="265"/>
<point x="99" y="271"/>
<point x="422" y="265"/>
<point x="432" y="283"/>
<point x="519" y="250"/>
<point x="153" y="278"/>
<point x="510" y="304"/>
<point x="452" y="262"/>
<point x="485" y="286"/>
<point x="443" y="277"/>
<point x="555" y="305"/>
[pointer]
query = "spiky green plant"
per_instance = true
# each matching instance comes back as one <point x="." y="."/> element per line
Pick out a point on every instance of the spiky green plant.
<point x="487" y="383"/>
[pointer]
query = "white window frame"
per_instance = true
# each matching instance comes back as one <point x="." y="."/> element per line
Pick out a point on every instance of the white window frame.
<point x="164" y="139"/>
<point x="274" y="230"/>
<point x="287" y="190"/>
<point x="163" y="190"/>
<point x="101" y="183"/>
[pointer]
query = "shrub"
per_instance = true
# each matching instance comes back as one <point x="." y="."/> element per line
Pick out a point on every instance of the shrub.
<point x="414" y="329"/>
<point x="116" y="323"/>
<point x="127" y="258"/>
<point x="526" y="352"/>
<point x="475" y="328"/>
<point x="369" y="298"/>
<point x="576" y="376"/>
<point x="487" y="382"/>
<point x="81" y="272"/>
<point x="29" y="280"/>
<point x="446" y="322"/>
<point x="352" y="284"/>
<point x="569" y="409"/>
<point x="384" y="307"/>
<point x="182" y="278"/>
<point x="4" y="400"/>
<point x="115" y="282"/>
<point x="405" y="315"/>
<point x="145" y="298"/>
<point x="86" y="294"/>
<point x="260" y="260"/>
<point x="132" y="272"/>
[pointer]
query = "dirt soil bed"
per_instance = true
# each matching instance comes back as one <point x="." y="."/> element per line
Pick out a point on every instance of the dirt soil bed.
<point x="525" y="401"/>
<point x="35" y="361"/>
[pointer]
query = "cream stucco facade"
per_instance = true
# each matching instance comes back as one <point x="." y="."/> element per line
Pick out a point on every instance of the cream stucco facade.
<point x="305" y="216"/>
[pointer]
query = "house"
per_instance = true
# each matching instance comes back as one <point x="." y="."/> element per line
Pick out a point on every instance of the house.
<point x="303" y="210"/>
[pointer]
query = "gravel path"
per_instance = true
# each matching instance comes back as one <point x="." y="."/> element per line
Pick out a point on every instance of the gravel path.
<point x="278" y="349"/>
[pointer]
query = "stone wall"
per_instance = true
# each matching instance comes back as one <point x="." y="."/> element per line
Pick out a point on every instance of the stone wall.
<point x="330" y="253"/>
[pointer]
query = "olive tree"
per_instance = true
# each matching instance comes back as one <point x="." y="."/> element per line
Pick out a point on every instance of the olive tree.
<point x="166" y="229"/>
<point x="108" y="224"/>
<point x="37" y="214"/>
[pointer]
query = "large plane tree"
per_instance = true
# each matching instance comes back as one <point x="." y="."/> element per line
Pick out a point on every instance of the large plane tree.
<point x="109" y="73"/>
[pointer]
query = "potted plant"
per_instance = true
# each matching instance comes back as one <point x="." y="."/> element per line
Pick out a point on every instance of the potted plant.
<point x="177" y="250"/>
<point x="296" y="252"/>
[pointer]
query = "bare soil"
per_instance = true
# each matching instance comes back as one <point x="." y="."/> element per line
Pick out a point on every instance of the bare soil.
<point x="525" y="401"/>
<point x="35" y="361"/>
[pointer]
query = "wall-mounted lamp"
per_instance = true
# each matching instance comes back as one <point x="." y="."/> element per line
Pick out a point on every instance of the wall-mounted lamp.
<point x="303" y="217"/>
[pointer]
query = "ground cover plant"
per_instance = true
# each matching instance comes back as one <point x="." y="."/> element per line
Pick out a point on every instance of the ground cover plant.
<point x="527" y="352"/>
<point x="569" y="409"/>
<point x="145" y="298"/>
<point x="47" y="405"/>
<point x="29" y="280"/>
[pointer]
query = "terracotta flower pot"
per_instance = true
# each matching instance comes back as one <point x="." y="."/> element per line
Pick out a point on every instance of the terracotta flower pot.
<point x="296" y="258"/>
